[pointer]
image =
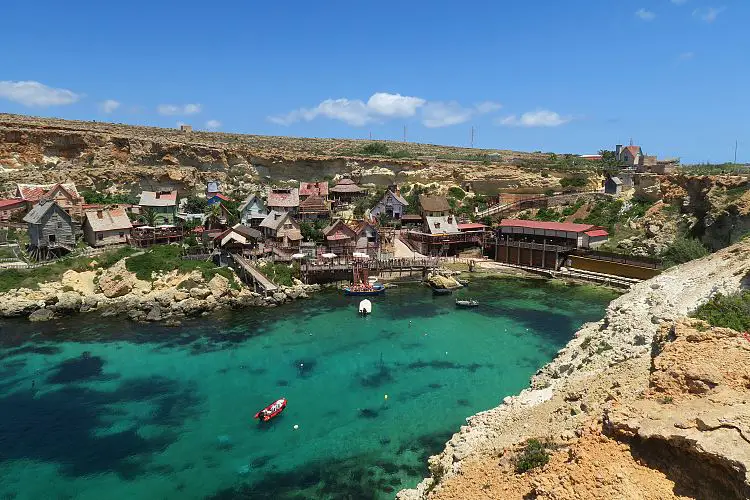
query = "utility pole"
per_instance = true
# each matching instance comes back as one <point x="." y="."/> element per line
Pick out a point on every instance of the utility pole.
<point x="472" y="136"/>
<point x="370" y="134"/>
<point x="404" y="133"/>
<point x="735" y="151"/>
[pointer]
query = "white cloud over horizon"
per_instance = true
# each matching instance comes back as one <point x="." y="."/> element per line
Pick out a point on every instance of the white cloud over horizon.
<point x="645" y="15"/>
<point x="383" y="105"/>
<point x="35" y="94"/>
<point x="109" y="106"/>
<point x="213" y="124"/>
<point x="538" y="118"/>
<point x="178" y="110"/>
<point x="708" y="14"/>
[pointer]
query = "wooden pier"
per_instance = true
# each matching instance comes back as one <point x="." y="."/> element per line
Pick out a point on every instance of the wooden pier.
<point x="250" y="274"/>
<point x="341" y="269"/>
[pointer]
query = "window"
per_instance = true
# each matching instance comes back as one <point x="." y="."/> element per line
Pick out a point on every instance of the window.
<point x="100" y="236"/>
<point x="59" y="225"/>
<point x="122" y="234"/>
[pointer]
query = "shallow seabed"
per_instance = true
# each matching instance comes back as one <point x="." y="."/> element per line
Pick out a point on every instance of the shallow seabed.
<point x="93" y="408"/>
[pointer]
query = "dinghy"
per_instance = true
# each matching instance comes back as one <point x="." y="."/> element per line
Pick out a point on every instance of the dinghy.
<point x="365" y="307"/>
<point x="467" y="303"/>
<point x="271" y="411"/>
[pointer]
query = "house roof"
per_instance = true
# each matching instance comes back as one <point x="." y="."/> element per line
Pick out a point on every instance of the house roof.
<point x="249" y="200"/>
<point x="212" y="187"/>
<point x="361" y="225"/>
<point x="434" y="203"/>
<point x="221" y="197"/>
<point x="313" y="203"/>
<point x="346" y="186"/>
<point x="248" y="232"/>
<point x="35" y="192"/>
<point x="108" y="220"/>
<point x="158" y="199"/>
<point x="274" y="219"/>
<point x="238" y="233"/>
<point x="287" y="198"/>
<point x="37" y="214"/>
<point x="411" y="218"/>
<point x="471" y="226"/>
<point x="597" y="232"/>
<point x="550" y="226"/>
<point x="313" y="188"/>
<point x="616" y="180"/>
<point x="439" y="225"/>
<point x="395" y="196"/>
<point x="634" y="150"/>
<point x="10" y="203"/>
<point x="338" y="226"/>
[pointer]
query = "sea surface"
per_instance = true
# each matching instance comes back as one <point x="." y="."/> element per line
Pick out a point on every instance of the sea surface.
<point x="94" y="408"/>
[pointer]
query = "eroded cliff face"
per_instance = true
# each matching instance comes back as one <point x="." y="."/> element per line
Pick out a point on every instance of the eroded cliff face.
<point x="130" y="158"/>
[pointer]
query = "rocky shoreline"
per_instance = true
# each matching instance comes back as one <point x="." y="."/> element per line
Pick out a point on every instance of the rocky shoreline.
<point x="116" y="291"/>
<point x="605" y="363"/>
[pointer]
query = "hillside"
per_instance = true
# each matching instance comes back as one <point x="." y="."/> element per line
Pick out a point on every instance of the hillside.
<point x="99" y="155"/>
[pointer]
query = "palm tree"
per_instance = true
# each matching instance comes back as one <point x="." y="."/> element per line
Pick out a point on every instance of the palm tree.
<point x="213" y="215"/>
<point x="148" y="214"/>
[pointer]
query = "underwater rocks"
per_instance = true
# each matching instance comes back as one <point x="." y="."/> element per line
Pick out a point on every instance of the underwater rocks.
<point x="117" y="292"/>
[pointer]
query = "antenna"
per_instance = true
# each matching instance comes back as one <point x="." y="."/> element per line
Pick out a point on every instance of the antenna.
<point x="404" y="133"/>
<point x="735" y="151"/>
<point x="631" y="141"/>
<point x="472" y="136"/>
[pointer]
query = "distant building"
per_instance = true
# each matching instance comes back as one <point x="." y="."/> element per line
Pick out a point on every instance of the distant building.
<point x="346" y="191"/>
<point x="106" y="227"/>
<point x="634" y="157"/>
<point x="434" y="206"/>
<point x="367" y="238"/>
<point x="50" y="228"/>
<point x="613" y="185"/>
<point x="238" y="239"/>
<point x="162" y="203"/>
<point x="563" y="234"/>
<point x="281" y="230"/>
<point x="307" y="189"/>
<point x="212" y="189"/>
<point x="630" y="156"/>
<point x="253" y="210"/>
<point x="217" y="198"/>
<point x="392" y="204"/>
<point x="340" y="238"/>
<point x="283" y="200"/>
<point x="186" y="128"/>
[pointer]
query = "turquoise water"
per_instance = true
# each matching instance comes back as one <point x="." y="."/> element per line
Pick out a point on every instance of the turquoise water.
<point x="93" y="408"/>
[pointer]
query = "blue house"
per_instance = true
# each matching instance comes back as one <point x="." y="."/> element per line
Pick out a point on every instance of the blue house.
<point x="217" y="198"/>
<point x="253" y="210"/>
<point x="393" y="205"/>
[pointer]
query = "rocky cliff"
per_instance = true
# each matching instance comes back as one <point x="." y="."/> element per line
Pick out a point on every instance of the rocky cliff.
<point x="112" y="156"/>
<point x="642" y="404"/>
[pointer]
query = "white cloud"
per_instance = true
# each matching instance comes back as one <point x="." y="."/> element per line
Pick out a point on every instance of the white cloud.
<point x="213" y="124"/>
<point x="30" y="93"/>
<point x="394" y="105"/>
<point x="109" y="106"/>
<point x="177" y="110"/>
<point x="538" y="118"/>
<point x="442" y="114"/>
<point x="488" y="107"/>
<point x="645" y="15"/>
<point x="708" y="14"/>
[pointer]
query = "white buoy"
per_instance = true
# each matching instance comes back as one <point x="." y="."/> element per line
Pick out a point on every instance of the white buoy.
<point x="296" y="427"/>
<point x="386" y="396"/>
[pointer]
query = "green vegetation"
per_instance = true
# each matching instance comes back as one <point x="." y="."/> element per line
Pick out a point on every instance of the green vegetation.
<point x="714" y="169"/>
<point x="727" y="311"/>
<point x="165" y="258"/>
<point x="457" y="193"/>
<point x="534" y="455"/>
<point x="31" y="278"/>
<point x="313" y="231"/>
<point x="605" y="213"/>
<point x="98" y="198"/>
<point x="375" y="148"/>
<point x="574" y="181"/>
<point x="683" y="249"/>
<point x="280" y="273"/>
<point x="195" y="205"/>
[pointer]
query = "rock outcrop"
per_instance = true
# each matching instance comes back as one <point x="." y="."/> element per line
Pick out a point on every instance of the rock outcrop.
<point x="599" y="398"/>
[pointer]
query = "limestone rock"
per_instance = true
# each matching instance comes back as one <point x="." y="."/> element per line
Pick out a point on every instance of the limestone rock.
<point x="200" y="293"/>
<point x="42" y="315"/>
<point x="68" y="302"/>
<point x="219" y="286"/>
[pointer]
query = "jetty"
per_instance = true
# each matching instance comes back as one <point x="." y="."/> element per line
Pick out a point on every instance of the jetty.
<point x="341" y="269"/>
<point x="251" y="275"/>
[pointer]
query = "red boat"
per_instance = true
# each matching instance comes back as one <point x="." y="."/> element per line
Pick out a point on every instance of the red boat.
<point x="272" y="410"/>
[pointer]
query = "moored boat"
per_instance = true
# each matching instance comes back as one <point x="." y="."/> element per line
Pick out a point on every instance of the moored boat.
<point x="365" y="307"/>
<point x="271" y="411"/>
<point x="362" y="290"/>
<point x="467" y="303"/>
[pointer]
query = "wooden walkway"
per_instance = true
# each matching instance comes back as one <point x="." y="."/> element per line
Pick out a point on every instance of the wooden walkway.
<point x="257" y="276"/>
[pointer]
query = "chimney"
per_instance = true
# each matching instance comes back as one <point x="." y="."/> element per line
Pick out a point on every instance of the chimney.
<point x="99" y="214"/>
<point x="450" y="219"/>
<point x="618" y="150"/>
<point x="158" y="195"/>
<point x="276" y="216"/>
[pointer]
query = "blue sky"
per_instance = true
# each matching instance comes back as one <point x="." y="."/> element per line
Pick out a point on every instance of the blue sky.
<point x="551" y="75"/>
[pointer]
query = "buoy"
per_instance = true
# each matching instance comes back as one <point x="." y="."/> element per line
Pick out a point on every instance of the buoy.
<point x="386" y="396"/>
<point x="296" y="427"/>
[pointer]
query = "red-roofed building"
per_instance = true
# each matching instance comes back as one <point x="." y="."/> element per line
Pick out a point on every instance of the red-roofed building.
<point x="65" y="194"/>
<point x="471" y="226"/>
<point x="10" y="206"/>
<point x="340" y="238"/>
<point x="563" y="234"/>
<point x="283" y="200"/>
<point x="307" y="189"/>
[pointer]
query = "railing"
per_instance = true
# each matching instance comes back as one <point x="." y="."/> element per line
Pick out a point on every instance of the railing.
<point x="534" y="202"/>
<point x="631" y="260"/>
<point x="534" y="246"/>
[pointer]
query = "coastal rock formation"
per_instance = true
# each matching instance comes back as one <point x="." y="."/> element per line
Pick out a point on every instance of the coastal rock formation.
<point x="598" y="396"/>
<point x="118" y="291"/>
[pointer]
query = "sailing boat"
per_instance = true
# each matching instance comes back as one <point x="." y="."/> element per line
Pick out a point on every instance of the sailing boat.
<point x="361" y="285"/>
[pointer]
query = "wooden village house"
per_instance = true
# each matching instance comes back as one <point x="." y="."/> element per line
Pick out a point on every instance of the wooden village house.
<point x="66" y="195"/>
<point x="314" y="207"/>
<point x="367" y="238"/>
<point x="283" y="200"/>
<point x="307" y="189"/>
<point x="340" y="239"/>
<point x="107" y="227"/>
<point x="392" y="204"/>
<point x="345" y="191"/>
<point x="613" y="185"/>
<point x="239" y="239"/>
<point x="282" y="234"/>
<point x="50" y="229"/>
<point x="253" y="210"/>
<point x="162" y="203"/>
<point x="11" y="207"/>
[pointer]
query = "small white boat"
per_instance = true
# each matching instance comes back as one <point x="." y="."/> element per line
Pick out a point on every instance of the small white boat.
<point x="365" y="307"/>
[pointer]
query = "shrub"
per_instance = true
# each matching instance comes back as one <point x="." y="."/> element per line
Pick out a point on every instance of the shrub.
<point x="280" y="273"/>
<point x="534" y="455"/>
<point x="457" y="193"/>
<point x="727" y="311"/>
<point x="375" y="148"/>
<point x="683" y="250"/>
<point x="576" y="181"/>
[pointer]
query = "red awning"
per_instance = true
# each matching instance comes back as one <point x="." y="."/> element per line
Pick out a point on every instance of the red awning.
<point x="597" y="233"/>
<point x="471" y="226"/>
<point x="551" y="226"/>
